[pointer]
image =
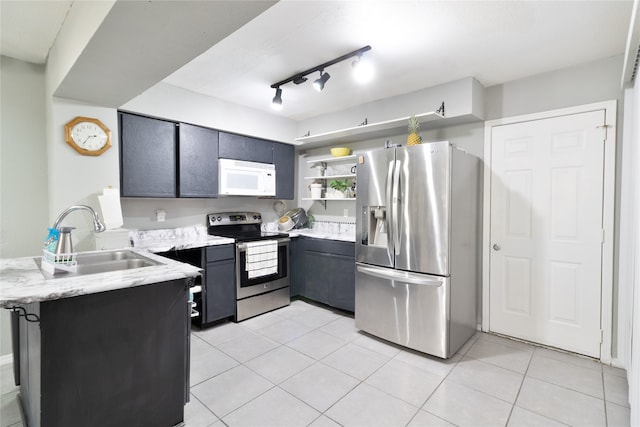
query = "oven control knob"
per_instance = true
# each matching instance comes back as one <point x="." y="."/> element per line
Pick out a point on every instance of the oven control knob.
<point x="212" y="219"/>
<point x="219" y="218"/>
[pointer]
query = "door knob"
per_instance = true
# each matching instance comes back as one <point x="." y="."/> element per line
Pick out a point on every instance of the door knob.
<point x="496" y="247"/>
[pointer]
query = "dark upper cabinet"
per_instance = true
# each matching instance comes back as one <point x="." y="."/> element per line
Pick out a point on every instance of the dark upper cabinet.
<point x="283" y="159"/>
<point x="239" y="147"/>
<point x="160" y="158"/>
<point x="147" y="157"/>
<point x="197" y="161"/>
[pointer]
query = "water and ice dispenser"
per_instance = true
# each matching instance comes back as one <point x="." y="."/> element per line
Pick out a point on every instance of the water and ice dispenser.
<point x="374" y="226"/>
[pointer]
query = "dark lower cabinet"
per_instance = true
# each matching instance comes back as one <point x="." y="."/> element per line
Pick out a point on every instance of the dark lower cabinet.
<point x="220" y="278"/>
<point x="296" y="266"/>
<point x="329" y="272"/>
<point x="217" y="298"/>
<point x="116" y="358"/>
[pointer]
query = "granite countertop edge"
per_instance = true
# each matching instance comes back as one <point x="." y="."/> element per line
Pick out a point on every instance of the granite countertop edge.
<point x="21" y="281"/>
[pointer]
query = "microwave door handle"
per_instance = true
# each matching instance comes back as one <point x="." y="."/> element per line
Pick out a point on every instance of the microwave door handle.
<point x="389" y="216"/>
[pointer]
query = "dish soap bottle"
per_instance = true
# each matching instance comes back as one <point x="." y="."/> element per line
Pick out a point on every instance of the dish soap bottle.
<point x="51" y="242"/>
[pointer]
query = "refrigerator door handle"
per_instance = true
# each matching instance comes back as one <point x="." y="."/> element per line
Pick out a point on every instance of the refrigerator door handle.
<point x="404" y="276"/>
<point x="396" y="207"/>
<point x="389" y="219"/>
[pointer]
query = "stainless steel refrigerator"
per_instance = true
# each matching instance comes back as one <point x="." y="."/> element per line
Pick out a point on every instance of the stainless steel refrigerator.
<point x="417" y="246"/>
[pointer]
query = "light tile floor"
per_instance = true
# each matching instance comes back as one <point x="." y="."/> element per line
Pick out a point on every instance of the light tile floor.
<point x="305" y="365"/>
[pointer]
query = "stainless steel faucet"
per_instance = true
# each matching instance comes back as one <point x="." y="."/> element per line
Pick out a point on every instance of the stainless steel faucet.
<point x="98" y="226"/>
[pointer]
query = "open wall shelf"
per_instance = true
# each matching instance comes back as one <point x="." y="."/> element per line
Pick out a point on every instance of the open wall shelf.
<point x="368" y="131"/>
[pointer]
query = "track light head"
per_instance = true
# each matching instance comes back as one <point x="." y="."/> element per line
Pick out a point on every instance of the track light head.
<point x="276" y="103"/>
<point x="319" y="83"/>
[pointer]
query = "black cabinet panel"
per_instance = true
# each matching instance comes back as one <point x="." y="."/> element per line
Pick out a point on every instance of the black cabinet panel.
<point x="197" y="161"/>
<point x="111" y="358"/>
<point x="239" y="147"/>
<point x="296" y="269"/>
<point x="283" y="159"/>
<point x="342" y="291"/>
<point x="220" y="252"/>
<point x="332" y="247"/>
<point x="317" y="272"/>
<point x="147" y="157"/>
<point x="220" y="289"/>
<point x="329" y="272"/>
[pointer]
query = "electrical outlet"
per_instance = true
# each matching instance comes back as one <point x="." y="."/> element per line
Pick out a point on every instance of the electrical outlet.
<point x="161" y="215"/>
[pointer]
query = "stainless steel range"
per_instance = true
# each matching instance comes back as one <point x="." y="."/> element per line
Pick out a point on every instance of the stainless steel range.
<point x="262" y="262"/>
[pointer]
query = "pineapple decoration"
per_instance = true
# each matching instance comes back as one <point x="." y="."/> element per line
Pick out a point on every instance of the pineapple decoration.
<point x="414" y="128"/>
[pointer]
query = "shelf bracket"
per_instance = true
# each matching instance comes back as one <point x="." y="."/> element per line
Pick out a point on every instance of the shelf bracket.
<point x="366" y="122"/>
<point x="441" y="109"/>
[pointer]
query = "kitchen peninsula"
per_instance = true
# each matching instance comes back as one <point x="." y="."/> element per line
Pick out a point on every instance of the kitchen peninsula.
<point x="101" y="349"/>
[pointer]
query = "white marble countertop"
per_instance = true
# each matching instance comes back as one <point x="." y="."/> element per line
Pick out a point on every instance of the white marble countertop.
<point x="175" y="239"/>
<point x="21" y="281"/>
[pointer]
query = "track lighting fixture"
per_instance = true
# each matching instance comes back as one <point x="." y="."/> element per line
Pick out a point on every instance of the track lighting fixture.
<point x="319" y="84"/>
<point x="276" y="103"/>
<point x="361" y="68"/>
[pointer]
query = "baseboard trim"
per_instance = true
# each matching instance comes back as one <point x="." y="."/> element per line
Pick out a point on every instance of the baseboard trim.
<point x="5" y="359"/>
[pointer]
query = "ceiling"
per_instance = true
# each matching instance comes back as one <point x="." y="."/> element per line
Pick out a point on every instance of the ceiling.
<point x="415" y="44"/>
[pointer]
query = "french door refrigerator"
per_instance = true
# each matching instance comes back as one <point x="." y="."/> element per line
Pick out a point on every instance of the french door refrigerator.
<point x="417" y="246"/>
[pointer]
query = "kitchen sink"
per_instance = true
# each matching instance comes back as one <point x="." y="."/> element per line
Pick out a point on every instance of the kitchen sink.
<point x="102" y="262"/>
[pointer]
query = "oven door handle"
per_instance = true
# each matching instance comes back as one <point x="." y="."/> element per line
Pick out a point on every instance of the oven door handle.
<point x="282" y="241"/>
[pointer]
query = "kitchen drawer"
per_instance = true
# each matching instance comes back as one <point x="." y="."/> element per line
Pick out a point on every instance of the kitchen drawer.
<point x="331" y="247"/>
<point x="220" y="252"/>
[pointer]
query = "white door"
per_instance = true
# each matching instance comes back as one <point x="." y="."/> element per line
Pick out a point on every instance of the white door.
<point x="546" y="231"/>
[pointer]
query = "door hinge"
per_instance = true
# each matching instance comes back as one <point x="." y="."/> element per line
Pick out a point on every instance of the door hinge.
<point x="604" y="128"/>
<point x="601" y="336"/>
<point x="602" y="236"/>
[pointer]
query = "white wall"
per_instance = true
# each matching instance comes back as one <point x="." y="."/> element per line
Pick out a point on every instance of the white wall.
<point x="584" y="84"/>
<point x="174" y="103"/>
<point x="23" y="167"/>
<point x="630" y="250"/>
<point x="461" y="97"/>
<point x="75" y="179"/>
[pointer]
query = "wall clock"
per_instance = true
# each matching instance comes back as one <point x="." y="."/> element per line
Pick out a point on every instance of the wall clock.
<point x="87" y="136"/>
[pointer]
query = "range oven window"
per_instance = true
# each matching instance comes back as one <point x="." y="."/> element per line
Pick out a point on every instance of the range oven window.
<point x="282" y="269"/>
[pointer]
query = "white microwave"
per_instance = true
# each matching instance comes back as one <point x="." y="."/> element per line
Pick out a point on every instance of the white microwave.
<point x="242" y="178"/>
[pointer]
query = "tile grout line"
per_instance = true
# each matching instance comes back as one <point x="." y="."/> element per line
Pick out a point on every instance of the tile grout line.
<point x="524" y="376"/>
<point x="440" y="384"/>
<point x="604" y="398"/>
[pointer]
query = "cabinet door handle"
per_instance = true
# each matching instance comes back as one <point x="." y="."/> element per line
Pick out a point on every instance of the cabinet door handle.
<point x="496" y="247"/>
